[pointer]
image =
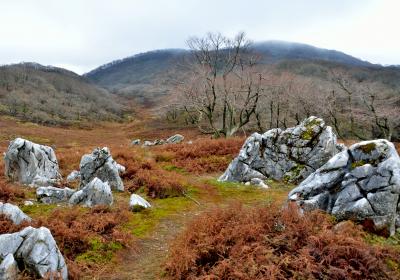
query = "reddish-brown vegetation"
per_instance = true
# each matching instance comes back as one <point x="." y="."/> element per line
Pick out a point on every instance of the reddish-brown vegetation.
<point x="145" y="173"/>
<point x="76" y="230"/>
<point x="203" y="156"/>
<point x="268" y="243"/>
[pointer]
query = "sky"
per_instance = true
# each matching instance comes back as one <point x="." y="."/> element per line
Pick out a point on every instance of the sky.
<point x="81" y="35"/>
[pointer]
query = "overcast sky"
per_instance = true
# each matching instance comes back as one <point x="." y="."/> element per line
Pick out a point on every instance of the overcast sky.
<point x="82" y="34"/>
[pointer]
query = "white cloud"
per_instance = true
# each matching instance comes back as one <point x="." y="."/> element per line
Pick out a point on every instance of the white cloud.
<point x="82" y="34"/>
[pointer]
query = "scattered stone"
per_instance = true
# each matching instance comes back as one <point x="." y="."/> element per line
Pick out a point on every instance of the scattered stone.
<point x="360" y="183"/>
<point x="8" y="268"/>
<point x="100" y="164"/>
<point x="259" y="182"/>
<point x="175" y="139"/>
<point x="290" y="154"/>
<point x="28" y="203"/>
<point x="73" y="176"/>
<point x="148" y="143"/>
<point x="95" y="193"/>
<point x="13" y="213"/>
<point x="137" y="203"/>
<point x="135" y="142"/>
<point x="31" y="164"/>
<point x="34" y="249"/>
<point x="51" y="195"/>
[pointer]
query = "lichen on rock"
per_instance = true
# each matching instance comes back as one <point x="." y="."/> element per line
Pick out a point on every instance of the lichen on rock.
<point x="289" y="155"/>
<point x="360" y="183"/>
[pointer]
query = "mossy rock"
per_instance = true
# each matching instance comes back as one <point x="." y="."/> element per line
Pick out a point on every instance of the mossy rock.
<point x="357" y="164"/>
<point x="367" y="148"/>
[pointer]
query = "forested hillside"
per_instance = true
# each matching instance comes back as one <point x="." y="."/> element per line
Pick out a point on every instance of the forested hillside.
<point x="51" y="95"/>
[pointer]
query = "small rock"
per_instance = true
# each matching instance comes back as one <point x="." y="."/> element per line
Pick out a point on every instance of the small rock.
<point x="259" y="182"/>
<point x="148" y="143"/>
<point x="13" y="213"/>
<point x="135" y="142"/>
<point x="28" y="203"/>
<point x="95" y="193"/>
<point x="136" y="203"/>
<point x="51" y="195"/>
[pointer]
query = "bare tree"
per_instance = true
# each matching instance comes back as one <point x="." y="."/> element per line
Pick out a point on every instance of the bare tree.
<point x="225" y="86"/>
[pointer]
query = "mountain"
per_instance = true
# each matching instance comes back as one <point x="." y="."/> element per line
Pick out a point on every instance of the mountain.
<point x="146" y="76"/>
<point x="52" y="95"/>
<point x="149" y="77"/>
<point x="275" y="51"/>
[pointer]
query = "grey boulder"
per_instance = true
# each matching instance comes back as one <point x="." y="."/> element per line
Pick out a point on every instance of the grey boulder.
<point x="100" y="164"/>
<point x="175" y="139"/>
<point x="13" y="213"/>
<point x="135" y="142"/>
<point x="137" y="202"/>
<point x="36" y="250"/>
<point x="360" y="183"/>
<point x="50" y="195"/>
<point x="95" y="193"/>
<point x="31" y="164"/>
<point x="290" y="154"/>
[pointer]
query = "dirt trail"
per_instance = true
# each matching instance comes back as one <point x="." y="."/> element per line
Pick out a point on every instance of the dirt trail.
<point x="146" y="263"/>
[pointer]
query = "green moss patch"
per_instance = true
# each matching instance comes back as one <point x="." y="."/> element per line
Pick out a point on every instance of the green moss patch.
<point x="99" y="252"/>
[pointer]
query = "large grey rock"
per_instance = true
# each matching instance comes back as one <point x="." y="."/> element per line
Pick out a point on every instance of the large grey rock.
<point x="290" y="154"/>
<point x="8" y="268"/>
<point x="100" y="164"/>
<point x="13" y="213"/>
<point x="31" y="164"/>
<point x="50" y="195"/>
<point x="136" y="202"/>
<point x="96" y="192"/>
<point x="360" y="183"/>
<point x="36" y="250"/>
<point x="175" y="139"/>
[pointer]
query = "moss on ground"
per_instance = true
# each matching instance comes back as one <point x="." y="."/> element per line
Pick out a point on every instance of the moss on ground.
<point x="99" y="252"/>
<point x="143" y="223"/>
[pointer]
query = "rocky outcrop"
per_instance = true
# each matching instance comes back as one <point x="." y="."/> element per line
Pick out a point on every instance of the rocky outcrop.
<point x="31" y="164"/>
<point x="50" y="195"/>
<point x="33" y="249"/>
<point x="137" y="203"/>
<point x="360" y="183"/>
<point x="175" y="139"/>
<point x="95" y="193"/>
<point x="290" y="154"/>
<point x="100" y="164"/>
<point x="13" y="213"/>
